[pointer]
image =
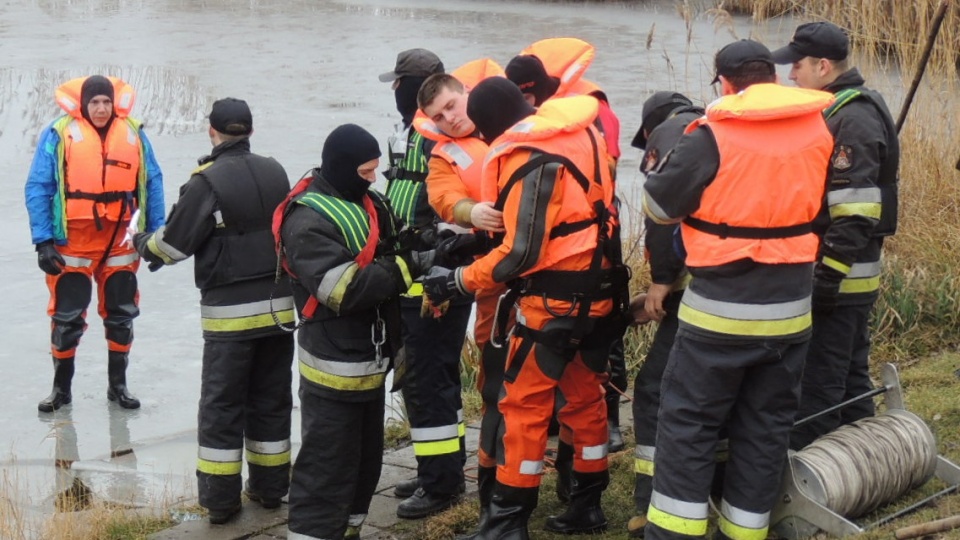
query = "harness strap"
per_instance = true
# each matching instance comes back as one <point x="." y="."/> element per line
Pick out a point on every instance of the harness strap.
<point x="519" y="357"/>
<point x="724" y="230"/>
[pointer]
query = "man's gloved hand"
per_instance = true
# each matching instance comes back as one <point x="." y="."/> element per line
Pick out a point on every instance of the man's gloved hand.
<point x="825" y="294"/>
<point x="48" y="259"/>
<point x="460" y="250"/>
<point x="441" y="284"/>
<point x="140" y="243"/>
<point x="418" y="262"/>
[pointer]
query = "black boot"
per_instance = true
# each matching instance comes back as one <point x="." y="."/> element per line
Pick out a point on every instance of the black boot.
<point x="507" y="517"/>
<point x="584" y="515"/>
<point x="62" y="377"/>
<point x="615" y="438"/>
<point x="406" y="488"/>
<point x="422" y="504"/>
<point x="486" y="479"/>
<point x="564" y="466"/>
<point x="117" y="376"/>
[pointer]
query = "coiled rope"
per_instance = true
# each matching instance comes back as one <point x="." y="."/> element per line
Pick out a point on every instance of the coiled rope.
<point x="871" y="462"/>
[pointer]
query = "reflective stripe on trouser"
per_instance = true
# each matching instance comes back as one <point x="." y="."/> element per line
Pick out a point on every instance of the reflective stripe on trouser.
<point x="646" y="400"/>
<point x="70" y="291"/>
<point x="528" y="404"/>
<point x="245" y="402"/>
<point x="338" y="466"/>
<point x="753" y="389"/>
<point x="836" y="370"/>
<point x="431" y="392"/>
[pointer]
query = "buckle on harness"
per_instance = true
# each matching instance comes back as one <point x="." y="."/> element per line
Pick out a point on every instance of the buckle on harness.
<point x="378" y="337"/>
<point x="494" y="338"/>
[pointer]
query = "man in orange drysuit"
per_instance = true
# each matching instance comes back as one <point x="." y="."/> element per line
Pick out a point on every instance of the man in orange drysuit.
<point x="93" y="169"/>
<point x="556" y="194"/>
<point x="454" y="191"/>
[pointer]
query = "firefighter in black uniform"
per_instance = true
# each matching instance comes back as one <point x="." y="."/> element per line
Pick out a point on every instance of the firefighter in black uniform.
<point x="338" y="239"/>
<point x="433" y="339"/>
<point x="223" y="218"/>
<point x="665" y="116"/>
<point x="860" y="210"/>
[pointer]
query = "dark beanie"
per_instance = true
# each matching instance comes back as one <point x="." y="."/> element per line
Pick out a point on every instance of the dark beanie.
<point x="527" y="72"/>
<point x="93" y="86"/>
<point x="496" y="104"/>
<point x="346" y="148"/>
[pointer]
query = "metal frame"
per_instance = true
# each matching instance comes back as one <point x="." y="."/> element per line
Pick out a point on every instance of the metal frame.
<point x="798" y="514"/>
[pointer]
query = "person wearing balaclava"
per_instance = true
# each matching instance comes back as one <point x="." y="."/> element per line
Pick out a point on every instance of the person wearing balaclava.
<point x="94" y="168"/>
<point x="338" y="241"/>
<point x="553" y="180"/>
<point x="529" y="73"/>
<point x="434" y="335"/>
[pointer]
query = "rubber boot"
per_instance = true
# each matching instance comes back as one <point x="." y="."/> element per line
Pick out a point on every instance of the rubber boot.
<point x="507" y="517"/>
<point x="584" y="515"/>
<point x="486" y="479"/>
<point x="564" y="466"/>
<point x="615" y="438"/>
<point x="62" y="377"/>
<point x="117" y="376"/>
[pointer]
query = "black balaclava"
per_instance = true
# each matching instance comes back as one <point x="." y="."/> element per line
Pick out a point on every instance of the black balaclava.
<point x="496" y="104"/>
<point x="346" y="148"/>
<point x="406" y="96"/>
<point x="527" y="72"/>
<point x="93" y="86"/>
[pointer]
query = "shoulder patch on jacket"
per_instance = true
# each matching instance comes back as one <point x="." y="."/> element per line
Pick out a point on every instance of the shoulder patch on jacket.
<point x="842" y="157"/>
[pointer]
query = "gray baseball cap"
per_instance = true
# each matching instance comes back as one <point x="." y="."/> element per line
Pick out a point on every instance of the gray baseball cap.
<point x="414" y="63"/>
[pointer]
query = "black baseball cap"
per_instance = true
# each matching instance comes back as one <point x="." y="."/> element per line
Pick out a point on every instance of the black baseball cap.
<point x="734" y="55"/>
<point x="231" y="116"/>
<point x="414" y="63"/>
<point x="656" y="109"/>
<point x="816" y="39"/>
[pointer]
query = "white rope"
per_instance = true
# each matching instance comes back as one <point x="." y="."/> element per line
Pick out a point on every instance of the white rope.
<point x="871" y="462"/>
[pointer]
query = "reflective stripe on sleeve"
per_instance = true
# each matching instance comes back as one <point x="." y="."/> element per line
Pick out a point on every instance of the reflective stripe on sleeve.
<point x="855" y="202"/>
<point x="166" y="252"/>
<point x="740" y="524"/>
<point x="677" y="516"/>
<point x="863" y="278"/>
<point x="836" y="265"/>
<point x="653" y="210"/>
<point x="334" y="285"/>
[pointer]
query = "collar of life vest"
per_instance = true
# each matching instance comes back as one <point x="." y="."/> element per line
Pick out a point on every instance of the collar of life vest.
<point x="566" y="58"/>
<point x="469" y="75"/>
<point x="768" y="101"/>
<point x="68" y="97"/>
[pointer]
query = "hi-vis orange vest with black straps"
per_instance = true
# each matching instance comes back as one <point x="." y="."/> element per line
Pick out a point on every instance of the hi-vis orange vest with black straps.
<point x="97" y="178"/>
<point x="465" y="154"/>
<point x="774" y="150"/>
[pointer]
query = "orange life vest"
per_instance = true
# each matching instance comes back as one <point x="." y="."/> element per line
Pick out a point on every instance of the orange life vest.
<point x="97" y="178"/>
<point x="774" y="150"/>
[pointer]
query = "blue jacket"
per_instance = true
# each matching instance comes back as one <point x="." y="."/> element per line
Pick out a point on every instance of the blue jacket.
<point x="42" y="187"/>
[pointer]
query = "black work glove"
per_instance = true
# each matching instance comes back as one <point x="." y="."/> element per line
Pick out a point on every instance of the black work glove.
<point x="140" y="244"/>
<point x="442" y="284"/>
<point x="460" y="250"/>
<point x="418" y="262"/>
<point x="825" y="293"/>
<point x="48" y="259"/>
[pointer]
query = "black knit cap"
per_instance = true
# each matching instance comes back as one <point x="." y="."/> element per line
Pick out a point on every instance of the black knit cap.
<point x="93" y="86"/>
<point x="496" y="104"/>
<point x="656" y="109"/>
<point x="348" y="147"/>
<point x="231" y="116"/>
<point x="527" y="72"/>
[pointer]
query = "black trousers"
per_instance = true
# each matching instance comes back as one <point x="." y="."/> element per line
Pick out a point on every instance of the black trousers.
<point x="245" y="402"/>
<point x="338" y="467"/>
<point x="752" y="388"/>
<point x="837" y="369"/>
<point x="431" y="393"/>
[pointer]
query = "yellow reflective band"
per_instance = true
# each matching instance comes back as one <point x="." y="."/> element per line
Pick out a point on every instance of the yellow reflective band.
<point x="436" y="448"/>
<point x="152" y="246"/>
<point x="219" y="468"/>
<point x="836" y="265"/>
<point x="643" y="466"/>
<point x="870" y="210"/>
<point x="337" y="382"/>
<point x="859" y="285"/>
<point x="268" y="460"/>
<point x="415" y="290"/>
<point x="462" y="429"/>
<point x="676" y="524"/>
<point x="743" y="327"/>
<point x="245" y="323"/>
<point x="736" y="532"/>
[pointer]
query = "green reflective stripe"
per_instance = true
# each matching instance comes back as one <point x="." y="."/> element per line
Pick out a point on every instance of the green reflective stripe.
<point x="643" y="456"/>
<point x="836" y="265"/>
<point x="334" y="285"/>
<point x="736" y="310"/>
<point x="461" y="430"/>
<point x="337" y="382"/>
<point x="643" y="466"/>
<point x="268" y="460"/>
<point x="220" y="468"/>
<point x="841" y="98"/>
<point x="219" y="461"/>
<point x="676" y="524"/>
<point x="342" y="375"/>
<point x="405" y="272"/>
<point x="739" y="327"/>
<point x="415" y="160"/>
<point x="740" y="524"/>
<point x="437" y="448"/>
<point x="165" y="251"/>
<point x="859" y="285"/>
<point x="403" y="195"/>
<point x="246" y="323"/>
<point x="349" y="218"/>
<point x="870" y="210"/>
